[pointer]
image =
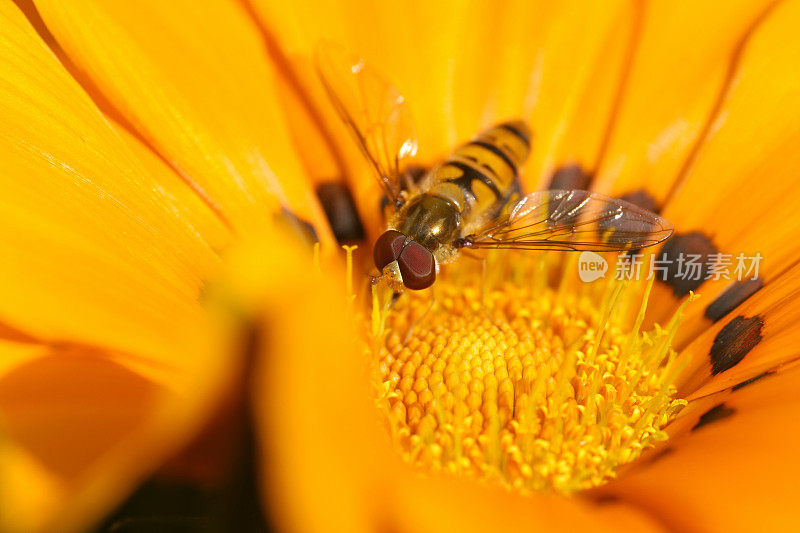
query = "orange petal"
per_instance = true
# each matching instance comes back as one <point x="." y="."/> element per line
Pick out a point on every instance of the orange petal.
<point x="455" y="71"/>
<point x="102" y="271"/>
<point x="423" y="504"/>
<point x="428" y="50"/>
<point x="324" y="146"/>
<point x="96" y="250"/>
<point x="432" y="66"/>
<point x="674" y="84"/>
<point x="81" y="431"/>
<point x="317" y="429"/>
<point x="747" y="160"/>
<point x="465" y="65"/>
<point x="197" y="213"/>
<point x="758" y="336"/>
<point x="572" y="79"/>
<point x="197" y="85"/>
<point x="747" y="164"/>
<point x="756" y="123"/>
<point x="738" y="473"/>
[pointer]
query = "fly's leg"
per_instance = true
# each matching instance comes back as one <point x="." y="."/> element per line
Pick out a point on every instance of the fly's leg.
<point x="419" y="321"/>
<point x="482" y="297"/>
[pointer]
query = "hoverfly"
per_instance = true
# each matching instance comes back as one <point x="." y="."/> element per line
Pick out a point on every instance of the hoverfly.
<point x="472" y="199"/>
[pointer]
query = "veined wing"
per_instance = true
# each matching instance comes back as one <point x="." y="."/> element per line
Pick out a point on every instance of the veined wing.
<point x="572" y="220"/>
<point x="374" y="111"/>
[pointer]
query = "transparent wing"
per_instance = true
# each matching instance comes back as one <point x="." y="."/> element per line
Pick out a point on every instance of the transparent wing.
<point x="373" y="110"/>
<point x="572" y="220"/>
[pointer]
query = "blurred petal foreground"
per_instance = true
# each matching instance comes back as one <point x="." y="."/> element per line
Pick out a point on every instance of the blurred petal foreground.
<point x="186" y="346"/>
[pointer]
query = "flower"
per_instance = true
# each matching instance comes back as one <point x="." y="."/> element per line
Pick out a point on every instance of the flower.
<point x="143" y="142"/>
<point x="619" y="95"/>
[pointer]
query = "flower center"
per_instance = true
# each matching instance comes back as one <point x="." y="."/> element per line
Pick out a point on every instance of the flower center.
<point x="536" y="386"/>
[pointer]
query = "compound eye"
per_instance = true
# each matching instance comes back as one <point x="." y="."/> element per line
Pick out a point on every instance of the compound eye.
<point x="388" y="248"/>
<point x="417" y="266"/>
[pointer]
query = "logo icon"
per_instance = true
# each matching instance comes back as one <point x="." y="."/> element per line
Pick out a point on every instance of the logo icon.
<point x="591" y="266"/>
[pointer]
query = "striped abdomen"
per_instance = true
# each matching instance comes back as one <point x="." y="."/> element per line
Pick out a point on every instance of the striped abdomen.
<point x="472" y="185"/>
<point x="481" y="176"/>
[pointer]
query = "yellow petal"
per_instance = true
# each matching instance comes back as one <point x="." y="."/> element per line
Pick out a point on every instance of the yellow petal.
<point x="197" y="85"/>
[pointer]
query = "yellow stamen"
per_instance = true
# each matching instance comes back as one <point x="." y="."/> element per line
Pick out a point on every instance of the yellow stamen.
<point x="349" y="279"/>
<point x="537" y="386"/>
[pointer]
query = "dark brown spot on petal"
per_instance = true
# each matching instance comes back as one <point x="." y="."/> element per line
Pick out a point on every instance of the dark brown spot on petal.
<point x="730" y="299"/>
<point x="341" y="211"/>
<point x="639" y="199"/>
<point x="642" y="199"/>
<point x="685" y="261"/>
<point x="718" y="412"/>
<point x="304" y="230"/>
<point x="570" y="177"/>
<point x="606" y="499"/>
<point x="750" y="381"/>
<point x="734" y="341"/>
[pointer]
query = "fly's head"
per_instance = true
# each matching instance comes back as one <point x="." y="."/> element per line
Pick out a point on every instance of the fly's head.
<point x="403" y="262"/>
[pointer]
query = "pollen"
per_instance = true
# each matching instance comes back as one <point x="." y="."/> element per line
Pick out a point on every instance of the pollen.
<point x="515" y="379"/>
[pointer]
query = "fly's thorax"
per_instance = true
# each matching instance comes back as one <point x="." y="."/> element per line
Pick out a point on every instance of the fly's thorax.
<point x="430" y="220"/>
